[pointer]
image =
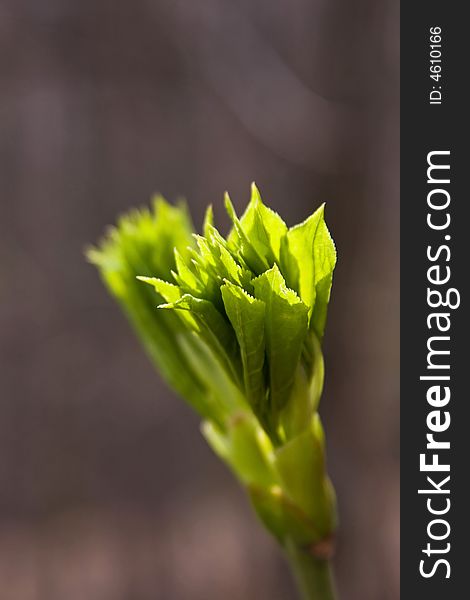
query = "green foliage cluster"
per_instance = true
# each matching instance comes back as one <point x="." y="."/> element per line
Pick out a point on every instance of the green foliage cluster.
<point x="238" y="333"/>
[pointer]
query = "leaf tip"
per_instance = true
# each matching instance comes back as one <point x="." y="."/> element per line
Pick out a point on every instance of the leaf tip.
<point x="208" y="219"/>
<point x="255" y="194"/>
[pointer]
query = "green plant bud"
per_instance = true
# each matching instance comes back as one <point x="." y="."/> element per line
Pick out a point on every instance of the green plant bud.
<point x="235" y="326"/>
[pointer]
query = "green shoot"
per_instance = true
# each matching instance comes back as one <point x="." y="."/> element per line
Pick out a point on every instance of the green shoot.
<point x="235" y="326"/>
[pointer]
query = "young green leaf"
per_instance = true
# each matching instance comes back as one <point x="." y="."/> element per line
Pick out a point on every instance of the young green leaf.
<point x="223" y="395"/>
<point x="286" y="328"/>
<point x="186" y="276"/>
<point x="243" y="246"/>
<point x="214" y="329"/>
<point x="308" y="257"/>
<point x="168" y="291"/>
<point x="246" y="315"/>
<point x="263" y="227"/>
<point x="143" y="244"/>
<point x="208" y="220"/>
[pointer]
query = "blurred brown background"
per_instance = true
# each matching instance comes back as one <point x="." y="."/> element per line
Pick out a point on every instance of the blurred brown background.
<point x="107" y="490"/>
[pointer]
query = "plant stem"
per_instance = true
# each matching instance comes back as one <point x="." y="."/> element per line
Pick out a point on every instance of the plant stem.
<point x="314" y="576"/>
